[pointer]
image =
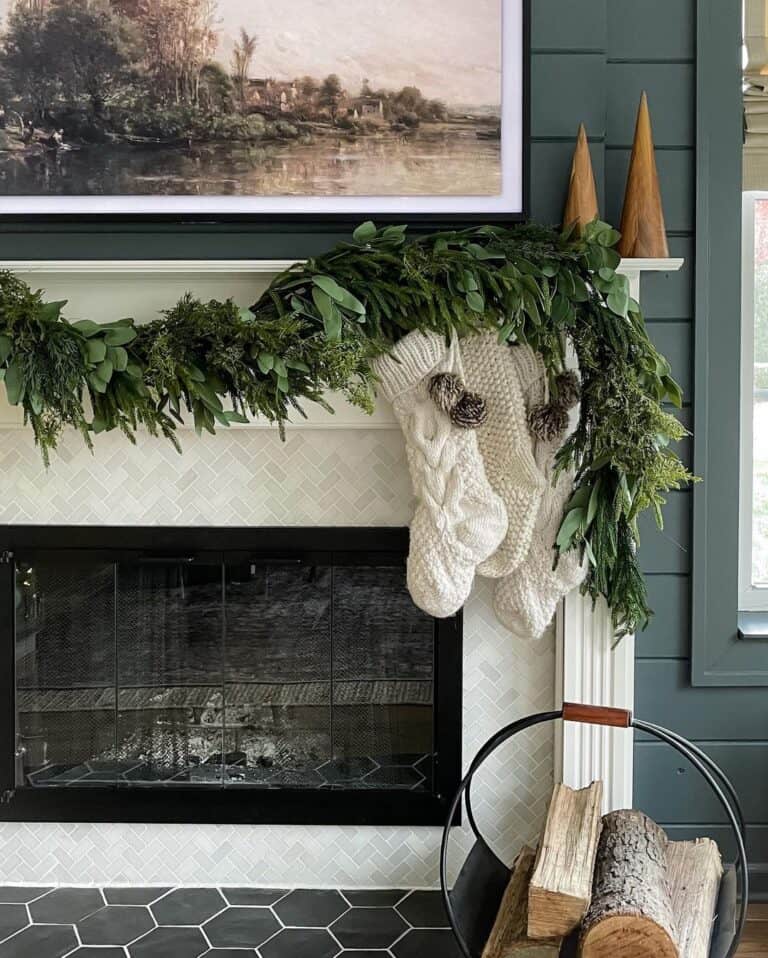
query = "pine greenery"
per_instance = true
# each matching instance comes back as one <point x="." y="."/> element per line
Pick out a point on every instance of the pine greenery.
<point x="317" y="329"/>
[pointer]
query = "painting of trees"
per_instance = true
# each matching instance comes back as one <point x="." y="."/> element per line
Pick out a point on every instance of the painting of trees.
<point x="242" y="59"/>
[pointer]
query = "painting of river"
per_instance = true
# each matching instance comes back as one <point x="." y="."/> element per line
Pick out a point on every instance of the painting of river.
<point x="248" y="105"/>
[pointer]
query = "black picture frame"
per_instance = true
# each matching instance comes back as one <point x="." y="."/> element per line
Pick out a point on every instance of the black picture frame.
<point x="342" y="223"/>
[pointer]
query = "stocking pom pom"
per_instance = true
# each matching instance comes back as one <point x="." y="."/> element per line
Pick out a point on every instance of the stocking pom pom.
<point x="548" y="422"/>
<point x="445" y="390"/>
<point x="568" y="389"/>
<point x="469" y="412"/>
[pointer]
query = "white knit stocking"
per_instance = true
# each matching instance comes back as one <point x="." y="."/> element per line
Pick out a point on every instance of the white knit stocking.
<point x="459" y="520"/>
<point x="526" y="600"/>
<point x="505" y="445"/>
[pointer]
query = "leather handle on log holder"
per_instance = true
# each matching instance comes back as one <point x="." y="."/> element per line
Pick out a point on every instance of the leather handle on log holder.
<point x="596" y="715"/>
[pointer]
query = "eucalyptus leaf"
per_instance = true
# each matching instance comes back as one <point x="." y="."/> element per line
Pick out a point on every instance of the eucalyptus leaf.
<point x="475" y="301"/>
<point x="97" y="383"/>
<point x="119" y="335"/>
<point x="119" y="358"/>
<point x="569" y="528"/>
<point x="104" y="370"/>
<point x="365" y="232"/>
<point x="97" y="350"/>
<point x="14" y="383"/>
<point x="87" y="327"/>
<point x="265" y="362"/>
<point x="6" y="345"/>
<point x="50" y="312"/>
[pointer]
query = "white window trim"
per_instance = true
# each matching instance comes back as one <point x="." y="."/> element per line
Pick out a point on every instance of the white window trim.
<point x="751" y="598"/>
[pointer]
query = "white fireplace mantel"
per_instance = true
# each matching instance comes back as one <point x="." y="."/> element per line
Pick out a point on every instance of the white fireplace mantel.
<point x="589" y="668"/>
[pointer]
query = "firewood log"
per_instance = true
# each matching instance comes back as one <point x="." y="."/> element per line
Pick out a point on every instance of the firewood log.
<point x="631" y="911"/>
<point x="694" y="870"/>
<point x="561" y="883"/>
<point x="508" y="938"/>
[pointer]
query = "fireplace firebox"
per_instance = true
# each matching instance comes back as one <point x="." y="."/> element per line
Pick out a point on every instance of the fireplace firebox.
<point x="222" y="675"/>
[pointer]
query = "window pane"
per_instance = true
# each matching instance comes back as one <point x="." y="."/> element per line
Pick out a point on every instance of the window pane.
<point x="760" y="404"/>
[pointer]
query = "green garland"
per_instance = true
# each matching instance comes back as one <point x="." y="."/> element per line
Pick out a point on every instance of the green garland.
<point x="318" y="327"/>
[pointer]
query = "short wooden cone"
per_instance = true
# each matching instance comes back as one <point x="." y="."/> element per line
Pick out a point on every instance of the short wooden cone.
<point x="642" y="220"/>
<point x="581" y="206"/>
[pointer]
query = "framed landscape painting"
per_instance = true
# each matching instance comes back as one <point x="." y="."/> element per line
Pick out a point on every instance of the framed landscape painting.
<point x="220" y="108"/>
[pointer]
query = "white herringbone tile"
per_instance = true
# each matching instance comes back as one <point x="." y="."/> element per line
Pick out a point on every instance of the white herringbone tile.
<point x="332" y="477"/>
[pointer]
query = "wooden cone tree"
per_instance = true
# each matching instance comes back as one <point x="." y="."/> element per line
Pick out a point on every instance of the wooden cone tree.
<point x="642" y="220"/>
<point x="581" y="205"/>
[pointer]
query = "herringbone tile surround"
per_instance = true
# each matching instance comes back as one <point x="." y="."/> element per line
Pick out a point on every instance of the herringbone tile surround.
<point x="248" y="477"/>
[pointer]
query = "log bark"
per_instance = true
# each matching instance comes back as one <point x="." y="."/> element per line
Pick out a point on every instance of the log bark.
<point x="508" y="938"/>
<point x="694" y="870"/>
<point x="581" y="206"/>
<point x="561" y="883"/>
<point x="643" y="232"/>
<point x="631" y="911"/>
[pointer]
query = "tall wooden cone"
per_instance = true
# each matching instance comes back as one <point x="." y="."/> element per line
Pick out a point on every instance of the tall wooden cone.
<point x="642" y="220"/>
<point x="581" y="205"/>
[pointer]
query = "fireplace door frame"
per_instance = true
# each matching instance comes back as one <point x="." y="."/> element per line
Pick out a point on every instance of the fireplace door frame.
<point x="207" y="804"/>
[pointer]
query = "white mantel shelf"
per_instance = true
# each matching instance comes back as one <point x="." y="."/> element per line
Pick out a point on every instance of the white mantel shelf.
<point x="229" y="266"/>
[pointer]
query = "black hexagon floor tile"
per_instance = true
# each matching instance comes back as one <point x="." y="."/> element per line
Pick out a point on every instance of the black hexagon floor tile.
<point x="65" y="905"/>
<point x="239" y="927"/>
<point x="20" y="893"/>
<point x="40" y="941"/>
<point x="167" y="942"/>
<point x="422" y="942"/>
<point x="375" y="898"/>
<point x="310" y="908"/>
<point x="229" y="953"/>
<point x="103" y="952"/>
<point x="188" y="906"/>
<point x="369" y="928"/>
<point x="12" y="918"/>
<point x="424" y="909"/>
<point x="363" y="953"/>
<point x="133" y="896"/>
<point x="254" y="896"/>
<point x="300" y="943"/>
<point x="115" y="925"/>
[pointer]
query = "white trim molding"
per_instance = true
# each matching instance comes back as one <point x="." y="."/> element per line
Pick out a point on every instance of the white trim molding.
<point x="593" y="669"/>
<point x="143" y="267"/>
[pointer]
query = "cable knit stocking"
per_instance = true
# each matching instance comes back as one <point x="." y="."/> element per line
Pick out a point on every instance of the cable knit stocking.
<point x="459" y="520"/>
<point x="505" y="445"/>
<point x="526" y="600"/>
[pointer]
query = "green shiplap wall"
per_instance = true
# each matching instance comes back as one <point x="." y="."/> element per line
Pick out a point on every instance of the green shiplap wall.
<point x="590" y="61"/>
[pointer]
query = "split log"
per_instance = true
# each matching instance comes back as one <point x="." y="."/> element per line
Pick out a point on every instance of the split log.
<point x="561" y="883"/>
<point x="508" y="938"/>
<point x="642" y="219"/>
<point x="694" y="870"/>
<point x="581" y="206"/>
<point x="631" y="911"/>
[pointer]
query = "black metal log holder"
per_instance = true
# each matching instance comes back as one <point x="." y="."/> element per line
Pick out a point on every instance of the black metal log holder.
<point x="473" y="902"/>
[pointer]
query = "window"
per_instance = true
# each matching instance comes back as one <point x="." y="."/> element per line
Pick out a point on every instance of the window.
<point x="753" y="539"/>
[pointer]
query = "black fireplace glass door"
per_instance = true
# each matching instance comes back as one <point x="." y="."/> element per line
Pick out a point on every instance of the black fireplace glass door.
<point x="169" y="671"/>
<point x="222" y="669"/>
<point x="277" y="691"/>
<point x="383" y="667"/>
<point x="65" y="669"/>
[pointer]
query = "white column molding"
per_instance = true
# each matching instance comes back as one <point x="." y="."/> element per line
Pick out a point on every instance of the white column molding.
<point x="593" y="670"/>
